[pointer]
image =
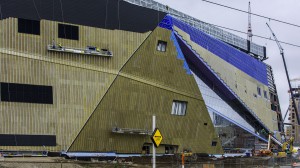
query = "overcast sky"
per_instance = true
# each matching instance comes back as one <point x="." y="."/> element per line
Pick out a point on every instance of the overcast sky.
<point x="285" y="10"/>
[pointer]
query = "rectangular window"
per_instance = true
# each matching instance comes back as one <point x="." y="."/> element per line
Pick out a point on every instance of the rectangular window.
<point x="146" y="149"/>
<point x="214" y="143"/>
<point x="265" y="94"/>
<point x="68" y="32"/>
<point x="161" y="46"/>
<point x="179" y="108"/>
<point x="27" y="140"/>
<point x="13" y="92"/>
<point x="273" y="107"/>
<point x="275" y="98"/>
<point x="271" y="97"/>
<point x="258" y="91"/>
<point x="170" y="149"/>
<point x="28" y="26"/>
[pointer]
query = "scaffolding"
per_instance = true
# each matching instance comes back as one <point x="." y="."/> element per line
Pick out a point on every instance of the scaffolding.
<point x="131" y="131"/>
<point x="89" y="50"/>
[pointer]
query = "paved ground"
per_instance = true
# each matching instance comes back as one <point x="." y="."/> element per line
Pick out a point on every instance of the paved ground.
<point x="58" y="162"/>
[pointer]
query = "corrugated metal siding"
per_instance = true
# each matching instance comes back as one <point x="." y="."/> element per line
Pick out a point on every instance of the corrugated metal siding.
<point x="240" y="83"/>
<point x="79" y="81"/>
<point x="147" y="85"/>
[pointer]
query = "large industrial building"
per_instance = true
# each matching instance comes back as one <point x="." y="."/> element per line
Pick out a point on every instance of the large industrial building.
<point x="87" y="76"/>
<point x="291" y="124"/>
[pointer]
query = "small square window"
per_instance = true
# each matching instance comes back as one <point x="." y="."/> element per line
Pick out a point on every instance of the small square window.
<point x="179" y="108"/>
<point x="214" y="143"/>
<point x="161" y="46"/>
<point x="258" y="91"/>
<point x="146" y="149"/>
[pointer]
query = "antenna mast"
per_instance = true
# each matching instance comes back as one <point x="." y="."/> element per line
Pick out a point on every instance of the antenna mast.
<point x="249" y="34"/>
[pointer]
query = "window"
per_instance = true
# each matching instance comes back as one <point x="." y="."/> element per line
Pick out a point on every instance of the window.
<point x="179" y="108"/>
<point x="146" y="149"/>
<point x="161" y="46"/>
<point x="265" y="94"/>
<point x="273" y="107"/>
<point x="170" y="149"/>
<point x="214" y="143"/>
<point x="68" y="32"/>
<point x="13" y="92"/>
<point x="258" y="91"/>
<point x="275" y="98"/>
<point x="28" y="26"/>
<point x="27" y="140"/>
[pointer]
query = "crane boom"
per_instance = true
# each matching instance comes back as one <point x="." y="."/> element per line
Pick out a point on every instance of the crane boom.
<point x="277" y="41"/>
<point x="287" y="74"/>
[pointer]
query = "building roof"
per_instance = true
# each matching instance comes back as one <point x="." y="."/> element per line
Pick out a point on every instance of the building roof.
<point x="109" y="14"/>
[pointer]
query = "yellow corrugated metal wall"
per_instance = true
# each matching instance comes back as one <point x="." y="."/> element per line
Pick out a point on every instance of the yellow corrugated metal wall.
<point x="78" y="81"/>
<point x="146" y="86"/>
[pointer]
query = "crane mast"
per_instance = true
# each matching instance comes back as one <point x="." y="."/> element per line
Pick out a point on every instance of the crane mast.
<point x="287" y="74"/>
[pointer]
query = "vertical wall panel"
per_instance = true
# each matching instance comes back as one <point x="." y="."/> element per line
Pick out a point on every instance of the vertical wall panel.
<point x="147" y="85"/>
<point x="78" y="81"/>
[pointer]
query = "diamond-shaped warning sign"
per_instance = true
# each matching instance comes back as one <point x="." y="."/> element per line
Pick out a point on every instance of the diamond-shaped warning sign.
<point x="156" y="137"/>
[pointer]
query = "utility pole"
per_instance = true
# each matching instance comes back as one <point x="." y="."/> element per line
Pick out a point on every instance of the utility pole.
<point x="287" y="74"/>
<point x="249" y="34"/>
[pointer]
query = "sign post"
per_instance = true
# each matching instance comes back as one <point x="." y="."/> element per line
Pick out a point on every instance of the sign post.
<point x="156" y="138"/>
<point x="153" y="147"/>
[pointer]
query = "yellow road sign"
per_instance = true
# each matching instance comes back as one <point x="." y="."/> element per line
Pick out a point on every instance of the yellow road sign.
<point x="156" y="137"/>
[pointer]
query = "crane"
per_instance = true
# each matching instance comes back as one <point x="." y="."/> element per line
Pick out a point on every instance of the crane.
<point x="287" y="74"/>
